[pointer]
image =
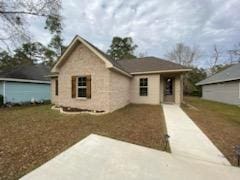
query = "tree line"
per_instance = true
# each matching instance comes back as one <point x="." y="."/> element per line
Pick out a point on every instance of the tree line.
<point x="14" y="16"/>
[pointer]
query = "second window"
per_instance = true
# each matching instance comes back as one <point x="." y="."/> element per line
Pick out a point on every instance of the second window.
<point x="143" y="86"/>
<point x="82" y="87"/>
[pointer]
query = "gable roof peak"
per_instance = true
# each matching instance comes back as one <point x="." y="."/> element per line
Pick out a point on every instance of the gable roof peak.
<point x="106" y="58"/>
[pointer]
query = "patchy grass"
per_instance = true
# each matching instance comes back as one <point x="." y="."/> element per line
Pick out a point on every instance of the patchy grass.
<point x="31" y="136"/>
<point x="220" y="122"/>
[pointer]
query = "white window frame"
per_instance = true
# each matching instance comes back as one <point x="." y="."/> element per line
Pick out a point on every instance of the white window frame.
<point x="140" y="86"/>
<point x="81" y="87"/>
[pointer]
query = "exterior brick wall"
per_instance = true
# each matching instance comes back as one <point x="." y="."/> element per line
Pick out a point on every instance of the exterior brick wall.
<point x="109" y="89"/>
<point x="54" y="98"/>
<point x="119" y="91"/>
<point x="80" y="63"/>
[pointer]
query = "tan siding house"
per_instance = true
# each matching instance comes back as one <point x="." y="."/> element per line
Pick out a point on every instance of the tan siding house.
<point x="223" y="86"/>
<point x="86" y="78"/>
<point x="228" y="92"/>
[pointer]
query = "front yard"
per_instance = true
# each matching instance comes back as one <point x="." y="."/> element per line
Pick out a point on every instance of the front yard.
<point x="30" y="136"/>
<point x="220" y="122"/>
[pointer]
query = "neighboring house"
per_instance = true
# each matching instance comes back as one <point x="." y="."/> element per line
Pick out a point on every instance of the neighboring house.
<point x="86" y="78"/>
<point x="223" y="86"/>
<point x="25" y="83"/>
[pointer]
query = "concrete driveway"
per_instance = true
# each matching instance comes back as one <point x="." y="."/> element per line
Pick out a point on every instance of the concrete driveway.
<point x="187" y="140"/>
<point x="97" y="157"/>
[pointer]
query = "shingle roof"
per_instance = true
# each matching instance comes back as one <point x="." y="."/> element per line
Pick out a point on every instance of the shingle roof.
<point x="28" y="72"/>
<point x="229" y="74"/>
<point x="137" y="65"/>
<point x="112" y="61"/>
<point x="147" y="64"/>
<point x="144" y="64"/>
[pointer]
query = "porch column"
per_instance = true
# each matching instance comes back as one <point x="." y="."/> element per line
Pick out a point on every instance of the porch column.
<point x="178" y="90"/>
<point x="161" y="89"/>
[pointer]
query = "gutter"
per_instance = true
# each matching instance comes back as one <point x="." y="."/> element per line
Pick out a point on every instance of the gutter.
<point x="215" y="82"/>
<point x="163" y="71"/>
<point x="52" y="75"/>
<point x="24" y="80"/>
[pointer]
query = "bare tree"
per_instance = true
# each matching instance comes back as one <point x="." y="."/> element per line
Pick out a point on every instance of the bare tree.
<point x="183" y="54"/>
<point x="215" y="55"/>
<point x="234" y="54"/>
<point x="15" y="15"/>
<point x="214" y="59"/>
<point x="217" y="61"/>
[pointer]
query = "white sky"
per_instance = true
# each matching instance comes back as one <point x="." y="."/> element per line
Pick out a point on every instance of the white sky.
<point x="155" y="25"/>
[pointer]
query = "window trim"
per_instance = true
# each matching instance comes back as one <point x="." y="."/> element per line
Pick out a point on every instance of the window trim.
<point x="82" y="87"/>
<point x="142" y="86"/>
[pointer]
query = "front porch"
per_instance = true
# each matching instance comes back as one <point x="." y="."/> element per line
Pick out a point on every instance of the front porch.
<point x="171" y="88"/>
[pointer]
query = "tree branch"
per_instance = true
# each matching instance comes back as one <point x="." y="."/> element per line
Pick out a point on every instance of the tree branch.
<point x="23" y="12"/>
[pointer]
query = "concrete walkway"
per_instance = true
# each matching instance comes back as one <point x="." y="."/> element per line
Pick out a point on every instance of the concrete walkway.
<point x="187" y="140"/>
<point x="97" y="157"/>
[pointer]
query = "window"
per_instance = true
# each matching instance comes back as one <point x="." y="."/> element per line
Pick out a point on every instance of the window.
<point x="82" y="87"/>
<point x="143" y="84"/>
<point x="56" y="87"/>
<point x="169" y="86"/>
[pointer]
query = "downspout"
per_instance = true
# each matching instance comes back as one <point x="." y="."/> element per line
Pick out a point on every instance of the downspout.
<point x="4" y="92"/>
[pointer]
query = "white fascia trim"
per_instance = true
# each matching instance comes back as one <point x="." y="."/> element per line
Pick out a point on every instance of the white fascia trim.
<point x="108" y="64"/>
<point x="64" y="54"/>
<point x="215" y="82"/>
<point x="78" y="38"/>
<point x="24" y="80"/>
<point x="163" y="71"/>
<point x="53" y="75"/>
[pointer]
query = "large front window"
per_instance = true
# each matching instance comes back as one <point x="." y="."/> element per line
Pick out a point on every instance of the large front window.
<point x="82" y="87"/>
<point x="143" y="84"/>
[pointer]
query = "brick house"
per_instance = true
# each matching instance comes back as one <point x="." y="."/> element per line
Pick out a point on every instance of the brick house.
<point x="86" y="78"/>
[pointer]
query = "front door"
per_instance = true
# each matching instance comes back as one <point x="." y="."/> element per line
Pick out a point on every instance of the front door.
<point x="169" y="89"/>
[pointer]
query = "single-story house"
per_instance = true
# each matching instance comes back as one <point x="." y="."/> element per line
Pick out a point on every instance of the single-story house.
<point x="223" y="86"/>
<point x="25" y="83"/>
<point x="86" y="78"/>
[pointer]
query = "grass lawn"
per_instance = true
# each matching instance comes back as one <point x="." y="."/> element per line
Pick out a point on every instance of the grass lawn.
<point x="220" y="122"/>
<point x="30" y="136"/>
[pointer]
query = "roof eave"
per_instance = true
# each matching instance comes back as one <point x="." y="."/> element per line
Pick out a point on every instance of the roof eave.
<point x="51" y="75"/>
<point x="108" y="64"/>
<point x="74" y="41"/>
<point x="24" y="80"/>
<point x="214" y="82"/>
<point x="120" y="71"/>
<point x="161" y="71"/>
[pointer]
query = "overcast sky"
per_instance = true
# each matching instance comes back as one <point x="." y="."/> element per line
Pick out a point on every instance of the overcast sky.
<point x="155" y="25"/>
